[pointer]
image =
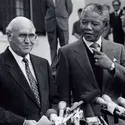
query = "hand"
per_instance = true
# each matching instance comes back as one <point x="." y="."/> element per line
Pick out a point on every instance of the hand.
<point x="102" y="59"/>
<point x="30" y="122"/>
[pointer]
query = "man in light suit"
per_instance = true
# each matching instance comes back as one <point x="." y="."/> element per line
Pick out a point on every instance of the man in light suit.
<point x="26" y="89"/>
<point x="82" y="69"/>
<point x="56" y="13"/>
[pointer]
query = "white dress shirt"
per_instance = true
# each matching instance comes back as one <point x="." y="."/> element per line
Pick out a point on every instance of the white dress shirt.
<point x="88" y="44"/>
<point x="54" y="1"/>
<point x="21" y="64"/>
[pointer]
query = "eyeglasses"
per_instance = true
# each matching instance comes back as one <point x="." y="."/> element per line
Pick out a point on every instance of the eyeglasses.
<point x="115" y="4"/>
<point x="23" y="36"/>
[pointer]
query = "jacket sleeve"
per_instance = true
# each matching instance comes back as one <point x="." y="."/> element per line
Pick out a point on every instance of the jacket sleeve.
<point x="69" y="6"/>
<point x="53" y="95"/>
<point x="120" y="68"/>
<point x="9" y="118"/>
<point x="63" y="78"/>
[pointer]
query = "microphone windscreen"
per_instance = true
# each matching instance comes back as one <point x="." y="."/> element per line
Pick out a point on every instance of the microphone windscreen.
<point x="49" y="112"/>
<point x="89" y="96"/>
<point x="62" y="105"/>
<point x="121" y="101"/>
<point x="107" y="98"/>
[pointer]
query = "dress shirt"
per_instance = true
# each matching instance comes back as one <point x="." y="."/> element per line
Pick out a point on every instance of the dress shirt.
<point x="21" y="64"/>
<point x="117" y="12"/>
<point x="88" y="44"/>
<point x="54" y="1"/>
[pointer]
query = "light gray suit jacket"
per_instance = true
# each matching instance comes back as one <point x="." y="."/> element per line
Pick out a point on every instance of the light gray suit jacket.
<point x="56" y="14"/>
<point x="74" y="72"/>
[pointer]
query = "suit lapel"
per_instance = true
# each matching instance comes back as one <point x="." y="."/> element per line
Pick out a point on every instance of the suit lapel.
<point x="84" y="63"/>
<point x="17" y="74"/>
<point x="108" y="49"/>
<point x="38" y="69"/>
<point x="57" y="2"/>
<point x="51" y="1"/>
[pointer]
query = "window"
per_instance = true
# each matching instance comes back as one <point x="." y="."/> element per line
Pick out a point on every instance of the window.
<point x="9" y="9"/>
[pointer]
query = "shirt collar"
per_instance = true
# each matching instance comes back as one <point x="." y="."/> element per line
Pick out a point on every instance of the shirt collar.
<point x="88" y="44"/>
<point x="17" y="57"/>
<point x="118" y="11"/>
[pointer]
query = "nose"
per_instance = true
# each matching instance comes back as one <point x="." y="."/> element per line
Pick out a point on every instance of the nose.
<point x="88" y="26"/>
<point x="27" y="40"/>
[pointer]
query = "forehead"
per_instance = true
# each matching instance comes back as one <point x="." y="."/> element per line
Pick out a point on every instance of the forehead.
<point x="91" y="15"/>
<point x="23" y="27"/>
<point x="115" y="3"/>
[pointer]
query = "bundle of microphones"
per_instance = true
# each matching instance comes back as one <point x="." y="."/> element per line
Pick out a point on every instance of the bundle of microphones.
<point x="75" y="114"/>
<point x="115" y="109"/>
<point x="65" y="113"/>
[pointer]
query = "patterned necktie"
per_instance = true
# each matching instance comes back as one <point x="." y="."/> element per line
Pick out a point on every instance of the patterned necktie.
<point x="95" y="46"/>
<point x="33" y="82"/>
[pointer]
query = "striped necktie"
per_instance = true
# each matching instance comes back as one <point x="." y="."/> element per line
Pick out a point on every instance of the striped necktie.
<point x="33" y="82"/>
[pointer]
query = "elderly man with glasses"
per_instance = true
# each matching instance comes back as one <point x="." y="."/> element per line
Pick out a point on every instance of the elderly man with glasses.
<point x="25" y="80"/>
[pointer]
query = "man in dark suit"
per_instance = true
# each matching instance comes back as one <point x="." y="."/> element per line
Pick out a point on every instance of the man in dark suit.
<point x="82" y="69"/>
<point x="115" y="22"/>
<point x="26" y="88"/>
<point x="56" y="14"/>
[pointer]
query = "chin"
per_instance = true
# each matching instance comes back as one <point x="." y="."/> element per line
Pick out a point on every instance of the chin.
<point x="89" y="39"/>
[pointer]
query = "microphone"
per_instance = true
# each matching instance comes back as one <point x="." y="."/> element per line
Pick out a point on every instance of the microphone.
<point x="118" y="110"/>
<point x="107" y="98"/>
<point x="85" y="98"/>
<point x="121" y="101"/>
<point x="51" y="114"/>
<point x="101" y="101"/>
<point x="62" y="107"/>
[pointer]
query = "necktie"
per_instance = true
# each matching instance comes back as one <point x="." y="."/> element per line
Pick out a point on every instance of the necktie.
<point x="32" y="80"/>
<point x="116" y="13"/>
<point x="95" y="46"/>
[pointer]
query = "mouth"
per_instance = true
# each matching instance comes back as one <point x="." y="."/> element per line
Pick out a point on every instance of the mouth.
<point x="88" y="34"/>
<point x="27" y="47"/>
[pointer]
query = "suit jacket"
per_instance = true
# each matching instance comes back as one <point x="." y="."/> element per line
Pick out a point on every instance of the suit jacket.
<point x="75" y="73"/>
<point x="17" y="102"/>
<point x="116" y="24"/>
<point x="56" y="14"/>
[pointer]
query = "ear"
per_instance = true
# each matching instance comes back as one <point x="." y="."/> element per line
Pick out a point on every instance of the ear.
<point x="105" y="27"/>
<point x="9" y="36"/>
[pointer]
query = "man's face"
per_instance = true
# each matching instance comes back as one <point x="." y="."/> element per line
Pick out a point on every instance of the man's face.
<point x="91" y="25"/>
<point x="21" y="40"/>
<point x="116" y="6"/>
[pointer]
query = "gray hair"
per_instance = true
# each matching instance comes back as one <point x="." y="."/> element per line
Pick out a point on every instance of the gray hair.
<point x="98" y="8"/>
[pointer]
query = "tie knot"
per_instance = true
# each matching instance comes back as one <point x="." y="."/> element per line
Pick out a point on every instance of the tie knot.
<point x="116" y="13"/>
<point x="94" y="45"/>
<point x="25" y="60"/>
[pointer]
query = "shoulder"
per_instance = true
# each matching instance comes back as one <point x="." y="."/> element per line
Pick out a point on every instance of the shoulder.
<point x="38" y="59"/>
<point x="114" y="45"/>
<point x="71" y="46"/>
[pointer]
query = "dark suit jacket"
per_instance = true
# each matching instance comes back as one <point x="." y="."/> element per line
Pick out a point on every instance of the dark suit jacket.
<point x="56" y="14"/>
<point x="75" y="73"/>
<point x="17" y="102"/>
<point x="116" y="24"/>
